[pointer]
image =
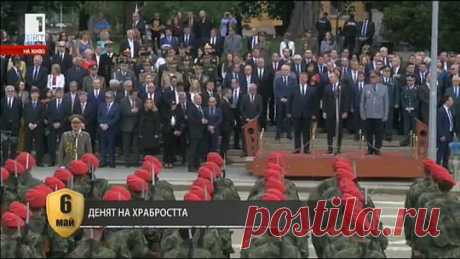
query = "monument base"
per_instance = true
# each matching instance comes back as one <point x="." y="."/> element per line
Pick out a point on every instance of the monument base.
<point x="318" y="164"/>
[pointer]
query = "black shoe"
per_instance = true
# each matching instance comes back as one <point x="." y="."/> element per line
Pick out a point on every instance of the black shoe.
<point x="377" y="152"/>
<point x="370" y="152"/>
<point x="356" y="138"/>
<point x="306" y="151"/>
<point x="289" y="136"/>
<point x="277" y="137"/>
<point x="404" y="143"/>
<point x="389" y="138"/>
<point x="338" y="152"/>
<point x="329" y="150"/>
<point x="296" y="152"/>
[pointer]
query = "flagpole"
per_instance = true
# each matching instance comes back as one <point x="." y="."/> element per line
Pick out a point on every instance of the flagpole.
<point x="433" y="86"/>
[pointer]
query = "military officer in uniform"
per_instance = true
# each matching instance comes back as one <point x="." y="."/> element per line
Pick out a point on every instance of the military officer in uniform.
<point x="74" y="143"/>
<point x="409" y="106"/>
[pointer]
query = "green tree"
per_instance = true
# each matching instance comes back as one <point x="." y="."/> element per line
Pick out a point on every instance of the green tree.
<point x="410" y="22"/>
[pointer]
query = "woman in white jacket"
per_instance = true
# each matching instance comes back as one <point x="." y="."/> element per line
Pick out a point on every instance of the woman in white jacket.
<point x="56" y="79"/>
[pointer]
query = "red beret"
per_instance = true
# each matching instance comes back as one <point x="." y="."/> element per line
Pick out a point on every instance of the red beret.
<point x="154" y="159"/>
<point x="151" y="166"/>
<point x="345" y="173"/>
<point x="275" y="157"/>
<point x="19" y="209"/>
<point x="63" y="174"/>
<point x="276" y="192"/>
<point x="91" y="160"/>
<point x="54" y="183"/>
<point x="200" y="192"/>
<point x="439" y="173"/>
<point x="205" y="183"/>
<point x="5" y="175"/>
<point x="205" y="172"/>
<point x="11" y="220"/>
<point x="144" y="174"/>
<point x="214" y="167"/>
<point x="136" y="184"/>
<point x="276" y="167"/>
<point x="271" y="197"/>
<point x="37" y="196"/>
<point x="122" y="190"/>
<point x="216" y="158"/>
<point x="274" y="183"/>
<point x="346" y="185"/>
<point x="27" y="160"/>
<point x="78" y="168"/>
<point x="190" y="196"/>
<point x="13" y="166"/>
<point x="271" y="173"/>
<point x="114" y="195"/>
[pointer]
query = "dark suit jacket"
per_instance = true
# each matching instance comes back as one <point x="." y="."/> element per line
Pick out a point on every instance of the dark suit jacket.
<point x="215" y="119"/>
<point x="110" y="117"/>
<point x="370" y="29"/>
<point x="304" y="106"/>
<point x="55" y="115"/>
<point x="265" y="84"/>
<point x="41" y="79"/>
<point x="195" y="125"/>
<point x="192" y="41"/>
<point x="13" y="78"/>
<point x="125" y="44"/>
<point x="218" y="45"/>
<point x="442" y="123"/>
<point x="96" y="100"/>
<point x="129" y="119"/>
<point x="106" y="66"/>
<point x="68" y="103"/>
<point x="329" y="100"/>
<point x="172" y="42"/>
<point x="281" y="90"/>
<point x="34" y="115"/>
<point x="228" y="79"/>
<point x="205" y="97"/>
<point x="244" y="82"/>
<point x="75" y="73"/>
<point x="10" y="118"/>
<point x="89" y="114"/>
<point x="228" y="118"/>
<point x="356" y="96"/>
<point x="250" y="110"/>
<point x="65" y="63"/>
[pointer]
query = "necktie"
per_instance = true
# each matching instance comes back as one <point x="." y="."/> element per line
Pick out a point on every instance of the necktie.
<point x="235" y="96"/>
<point x="62" y="57"/>
<point x="285" y="81"/>
<point x="58" y="103"/>
<point x="364" y="29"/>
<point x="83" y="108"/>
<point x="35" y="73"/>
<point x="10" y="103"/>
<point x="34" y="105"/>
<point x="298" y="68"/>
<point x="183" y="107"/>
<point x="375" y="88"/>
<point x="201" y="110"/>
<point x="260" y="73"/>
<point x="108" y="107"/>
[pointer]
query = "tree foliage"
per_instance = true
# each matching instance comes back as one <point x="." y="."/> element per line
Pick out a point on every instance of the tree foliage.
<point x="410" y="22"/>
<point x="275" y="9"/>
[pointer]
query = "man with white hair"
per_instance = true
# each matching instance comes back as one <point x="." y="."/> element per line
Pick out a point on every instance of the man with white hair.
<point x="37" y="74"/>
<point x="283" y="86"/>
<point x="384" y="53"/>
<point x="250" y="108"/>
<point x="131" y="44"/>
<point x="298" y="66"/>
<point x="454" y="91"/>
<point x="197" y="125"/>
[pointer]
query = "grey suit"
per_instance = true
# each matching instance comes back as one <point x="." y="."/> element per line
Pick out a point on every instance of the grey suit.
<point x="233" y="44"/>
<point x="374" y="108"/>
<point x="66" y="151"/>
<point x="374" y="104"/>
<point x="128" y="128"/>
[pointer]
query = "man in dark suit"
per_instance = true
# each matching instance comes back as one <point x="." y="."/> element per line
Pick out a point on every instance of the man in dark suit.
<point x="234" y="74"/>
<point x="422" y="74"/>
<point x="34" y="115"/>
<point x="356" y="91"/>
<point x="251" y="107"/>
<point x="334" y="93"/>
<point x="298" y="67"/>
<point x="139" y="23"/>
<point x="76" y="72"/>
<point x="216" y="42"/>
<point x="168" y="40"/>
<point x="131" y="44"/>
<point x="37" y="75"/>
<point x="70" y="102"/>
<point x="181" y="127"/>
<point x="108" y="116"/>
<point x="96" y="96"/>
<point x="209" y="92"/>
<point x="237" y="94"/>
<point x="454" y="93"/>
<point x="283" y="87"/>
<point x="129" y="117"/>
<point x="264" y="80"/>
<point x="10" y="118"/>
<point x="107" y="62"/>
<point x="228" y="121"/>
<point x="154" y="94"/>
<point x="197" y="125"/>
<point x="88" y="111"/>
<point x="213" y="115"/>
<point x="253" y="40"/>
<point x="62" y="58"/>
<point x="248" y="77"/>
<point x="323" y="25"/>
<point x="445" y="130"/>
<point x="55" y="115"/>
<point x="187" y="40"/>
<point x="366" y="30"/>
<point x="14" y="74"/>
<point x="303" y="105"/>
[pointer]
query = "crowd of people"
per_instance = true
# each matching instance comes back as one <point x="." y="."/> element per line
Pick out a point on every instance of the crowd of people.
<point x="184" y="88"/>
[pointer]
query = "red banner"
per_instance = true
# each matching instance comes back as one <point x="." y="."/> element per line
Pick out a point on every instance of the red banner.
<point x="22" y="50"/>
